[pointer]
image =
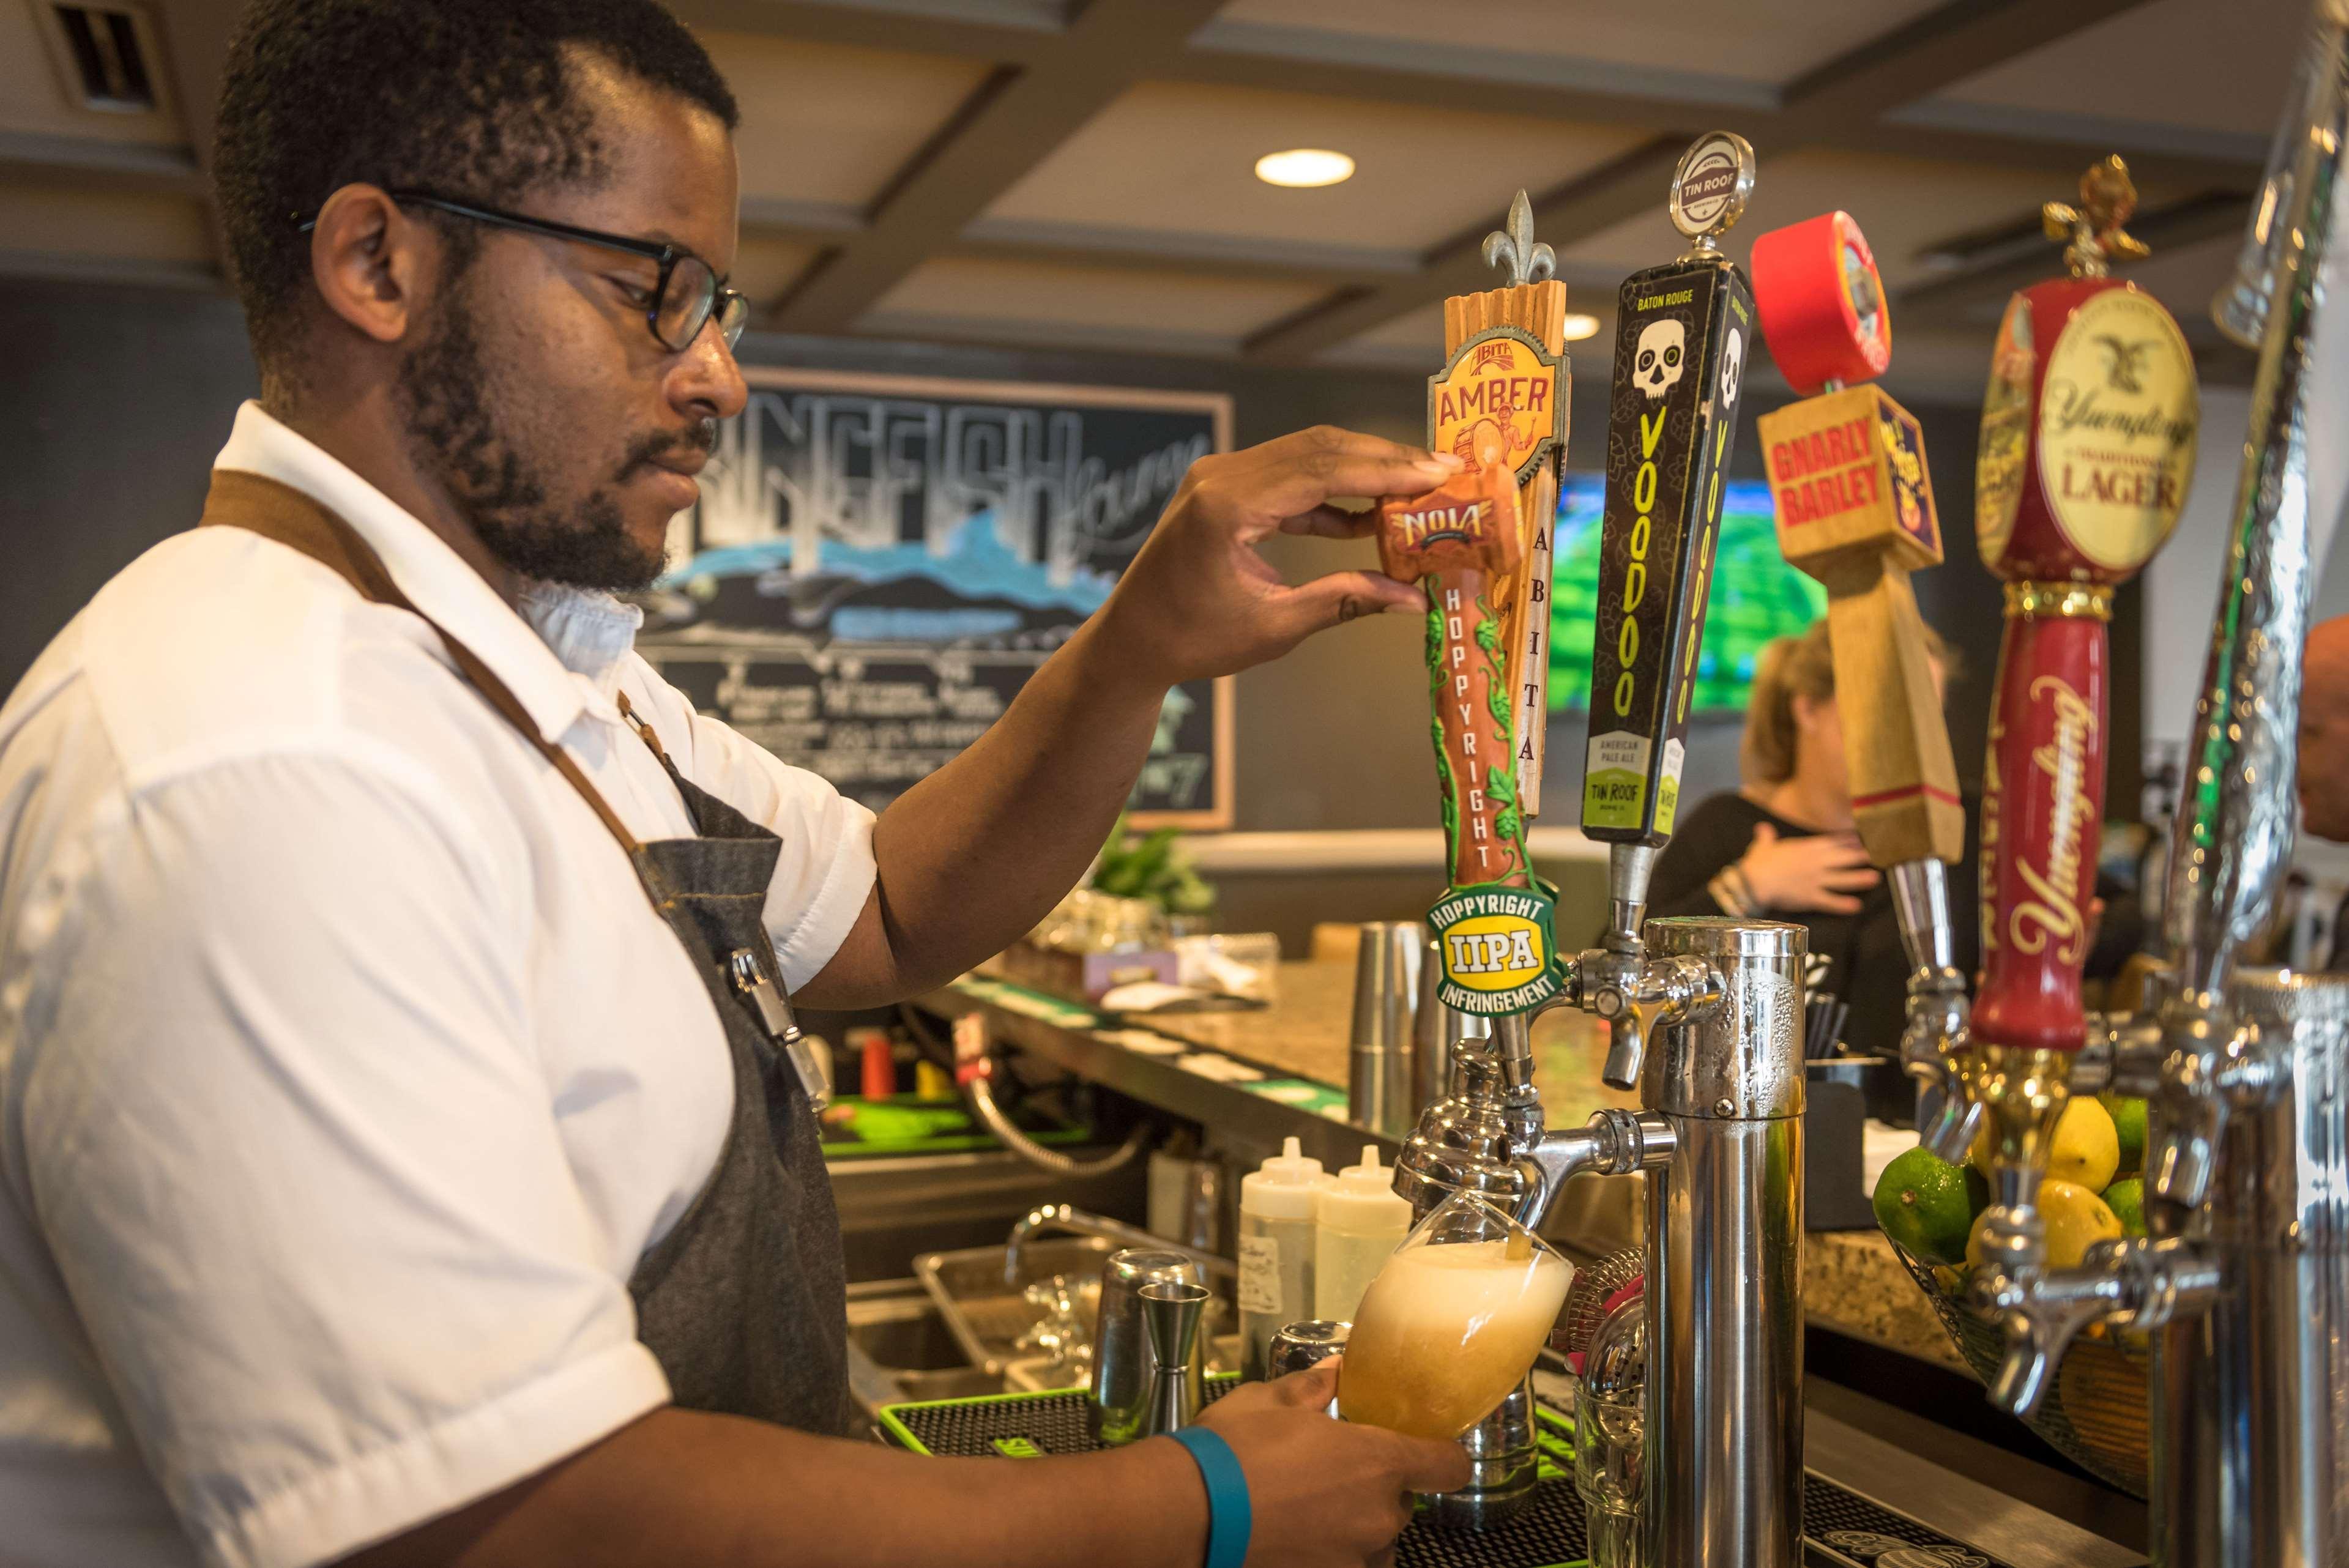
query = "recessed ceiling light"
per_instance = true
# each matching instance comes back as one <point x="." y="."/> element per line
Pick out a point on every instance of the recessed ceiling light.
<point x="1304" y="167"/>
<point x="1578" y="327"/>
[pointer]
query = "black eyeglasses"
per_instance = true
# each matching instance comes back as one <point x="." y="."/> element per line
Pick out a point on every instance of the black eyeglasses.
<point x="685" y="298"/>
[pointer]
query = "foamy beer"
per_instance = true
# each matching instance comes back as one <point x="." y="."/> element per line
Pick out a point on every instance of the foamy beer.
<point x="1451" y="1323"/>
<point x="2087" y="448"/>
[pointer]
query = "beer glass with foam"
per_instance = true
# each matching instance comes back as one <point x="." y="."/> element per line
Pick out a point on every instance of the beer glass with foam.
<point x="1451" y="1323"/>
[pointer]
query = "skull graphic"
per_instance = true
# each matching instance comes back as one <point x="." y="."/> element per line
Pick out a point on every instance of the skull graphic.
<point x="1733" y="367"/>
<point x="1657" y="368"/>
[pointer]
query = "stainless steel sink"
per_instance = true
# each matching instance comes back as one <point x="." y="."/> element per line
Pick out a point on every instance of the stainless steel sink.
<point x="989" y="1316"/>
<point x="900" y="1349"/>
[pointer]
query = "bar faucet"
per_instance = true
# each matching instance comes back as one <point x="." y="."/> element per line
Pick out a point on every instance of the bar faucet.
<point x="1048" y="1218"/>
<point x="1824" y="311"/>
<point x="2242" y="1281"/>
<point x="1702" y="1014"/>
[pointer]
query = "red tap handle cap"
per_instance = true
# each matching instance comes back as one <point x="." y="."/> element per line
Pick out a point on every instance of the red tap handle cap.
<point x="1822" y="303"/>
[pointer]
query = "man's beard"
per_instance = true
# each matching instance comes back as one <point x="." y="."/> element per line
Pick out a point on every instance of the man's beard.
<point x="458" y="430"/>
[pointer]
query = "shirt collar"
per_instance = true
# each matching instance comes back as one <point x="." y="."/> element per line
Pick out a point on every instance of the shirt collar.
<point x="561" y="633"/>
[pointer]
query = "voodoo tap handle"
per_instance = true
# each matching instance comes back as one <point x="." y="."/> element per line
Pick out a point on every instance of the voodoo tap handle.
<point x="1682" y="334"/>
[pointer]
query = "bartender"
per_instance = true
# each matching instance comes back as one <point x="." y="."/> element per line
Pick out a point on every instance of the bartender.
<point x="396" y="1160"/>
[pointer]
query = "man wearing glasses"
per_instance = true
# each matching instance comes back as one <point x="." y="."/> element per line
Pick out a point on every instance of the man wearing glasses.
<point x="402" y="1157"/>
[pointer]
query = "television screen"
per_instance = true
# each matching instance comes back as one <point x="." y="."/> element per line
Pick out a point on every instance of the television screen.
<point x="1756" y="595"/>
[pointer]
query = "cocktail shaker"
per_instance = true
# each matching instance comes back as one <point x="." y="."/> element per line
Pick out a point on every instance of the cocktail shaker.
<point x="1434" y="1028"/>
<point x="1386" y="996"/>
<point x="1118" y="1407"/>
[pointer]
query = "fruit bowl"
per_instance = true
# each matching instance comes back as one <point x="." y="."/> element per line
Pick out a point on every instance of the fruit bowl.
<point x="2095" y="1415"/>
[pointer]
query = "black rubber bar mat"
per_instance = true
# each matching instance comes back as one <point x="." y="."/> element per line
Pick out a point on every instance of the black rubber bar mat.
<point x="1843" y="1527"/>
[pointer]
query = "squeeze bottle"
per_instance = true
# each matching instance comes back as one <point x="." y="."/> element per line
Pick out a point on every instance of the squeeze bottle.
<point x="1359" y="1221"/>
<point x="1275" y="1248"/>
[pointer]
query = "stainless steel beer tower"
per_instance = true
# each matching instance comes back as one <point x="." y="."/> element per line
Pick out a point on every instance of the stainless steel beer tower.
<point x="2244" y="1280"/>
<point x="1703" y="1015"/>
<point x="1724" y="1396"/>
<point x="1720" y="1138"/>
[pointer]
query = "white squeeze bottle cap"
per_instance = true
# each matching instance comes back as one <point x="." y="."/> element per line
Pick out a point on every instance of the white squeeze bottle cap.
<point x="1282" y="1188"/>
<point x="1361" y="1199"/>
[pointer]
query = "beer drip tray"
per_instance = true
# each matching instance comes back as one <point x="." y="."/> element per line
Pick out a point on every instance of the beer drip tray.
<point x="1842" y="1529"/>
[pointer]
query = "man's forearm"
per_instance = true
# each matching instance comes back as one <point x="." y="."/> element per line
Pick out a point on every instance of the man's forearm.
<point x="973" y="856"/>
<point x="688" y="1488"/>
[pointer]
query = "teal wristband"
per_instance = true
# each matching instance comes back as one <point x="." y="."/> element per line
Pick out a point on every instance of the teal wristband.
<point x="1230" y="1519"/>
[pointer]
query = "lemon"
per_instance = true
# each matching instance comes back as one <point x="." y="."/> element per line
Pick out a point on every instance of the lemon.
<point x="2077" y="1219"/>
<point x="2129" y="1124"/>
<point x="2086" y="1149"/>
<point x="2126" y="1198"/>
<point x="1923" y="1205"/>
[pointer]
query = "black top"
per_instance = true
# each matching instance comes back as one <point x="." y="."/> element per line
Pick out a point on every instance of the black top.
<point x="1856" y="957"/>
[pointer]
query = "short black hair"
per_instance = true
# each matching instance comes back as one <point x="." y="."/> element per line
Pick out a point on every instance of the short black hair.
<point x="467" y="98"/>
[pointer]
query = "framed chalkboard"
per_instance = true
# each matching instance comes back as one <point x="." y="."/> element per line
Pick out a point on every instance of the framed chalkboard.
<point x="878" y="564"/>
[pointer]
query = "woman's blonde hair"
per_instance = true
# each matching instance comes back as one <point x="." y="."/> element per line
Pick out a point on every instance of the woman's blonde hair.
<point x="1799" y="666"/>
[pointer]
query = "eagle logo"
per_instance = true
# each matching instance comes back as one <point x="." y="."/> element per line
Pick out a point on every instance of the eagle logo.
<point x="2124" y="360"/>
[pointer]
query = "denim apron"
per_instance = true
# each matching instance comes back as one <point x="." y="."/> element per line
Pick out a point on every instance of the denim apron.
<point x="744" y="1302"/>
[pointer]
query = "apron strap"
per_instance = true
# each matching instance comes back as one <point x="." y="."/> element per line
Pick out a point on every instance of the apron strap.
<point x="285" y="515"/>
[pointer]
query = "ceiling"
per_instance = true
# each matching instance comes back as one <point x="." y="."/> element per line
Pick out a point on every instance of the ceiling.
<point x="1081" y="175"/>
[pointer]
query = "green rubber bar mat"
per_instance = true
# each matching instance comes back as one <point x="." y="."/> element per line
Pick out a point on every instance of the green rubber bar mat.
<point x="1844" y="1527"/>
<point x="1548" y="1534"/>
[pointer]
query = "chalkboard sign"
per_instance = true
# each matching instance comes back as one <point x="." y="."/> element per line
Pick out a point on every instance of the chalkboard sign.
<point x="878" y="564"/>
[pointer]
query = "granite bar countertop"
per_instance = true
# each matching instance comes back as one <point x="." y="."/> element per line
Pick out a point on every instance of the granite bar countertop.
<point x="1851" y="1281"/>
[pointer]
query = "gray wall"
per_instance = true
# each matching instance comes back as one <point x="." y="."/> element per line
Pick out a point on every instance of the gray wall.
<point x="116" y="400"/>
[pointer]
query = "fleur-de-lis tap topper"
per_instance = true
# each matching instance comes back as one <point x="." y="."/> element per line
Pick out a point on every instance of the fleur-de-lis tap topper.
<point x="1513" y="247"/>
<point x="2096" y="240"/>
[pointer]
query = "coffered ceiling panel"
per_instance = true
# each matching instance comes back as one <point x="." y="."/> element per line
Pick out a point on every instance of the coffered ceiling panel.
<point x="33" y="91"/>
<point x="2211" y="65"/>
<point x="966" y="296"/>
<point x="764" y="267"/>
<point x="831" y="124"/>
<point x="1905" y="207"/>
<point x="1767" y="41"/>
<point x="1169" y="158"/>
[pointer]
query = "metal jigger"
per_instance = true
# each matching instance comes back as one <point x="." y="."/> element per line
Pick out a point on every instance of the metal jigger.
<point x="1169" y="1317"/>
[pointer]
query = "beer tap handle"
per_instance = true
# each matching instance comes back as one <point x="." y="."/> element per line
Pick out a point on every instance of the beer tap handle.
<point x="1459" y="541"/>
<point x="2231" y="837"/>
<point x="1681" y="336"/>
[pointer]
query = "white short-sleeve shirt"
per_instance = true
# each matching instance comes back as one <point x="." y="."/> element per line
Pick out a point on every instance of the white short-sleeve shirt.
<point x="344" y="1069"/>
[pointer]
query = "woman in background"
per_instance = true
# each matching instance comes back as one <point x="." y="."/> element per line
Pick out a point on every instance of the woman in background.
<point x="1782" y="847"/>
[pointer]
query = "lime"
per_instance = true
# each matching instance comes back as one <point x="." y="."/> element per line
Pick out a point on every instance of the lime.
<point x="2126" y="1198"/>
<point x="2076" y="1218"/>
<point x="1924" y="1205"/>
<point x="2086" y="1149"/>
<point x="2128" y="1125"/>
